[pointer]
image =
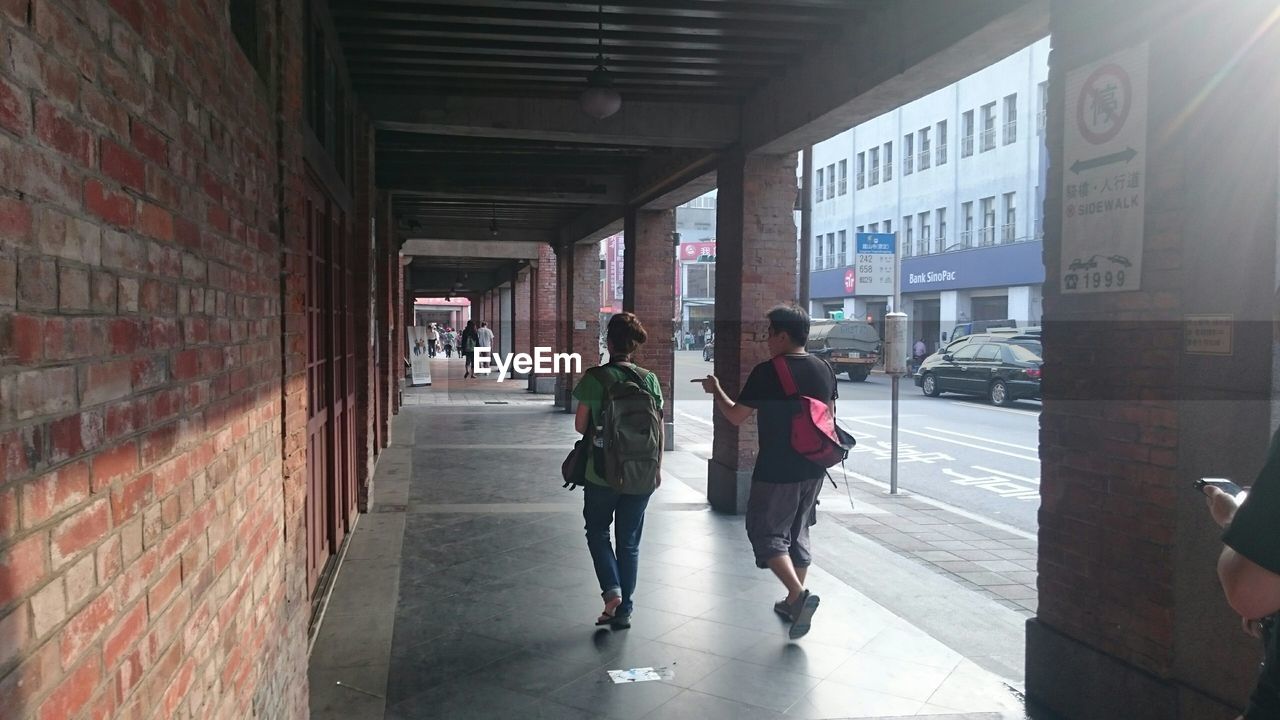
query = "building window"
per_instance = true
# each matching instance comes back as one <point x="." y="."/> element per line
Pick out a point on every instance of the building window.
<point x="888" y="226"/>
<point x="861" y="229"/>
<point x="908" y="236"/>
<point x="888" y="161"/>
<point x="908" y="153"/>
<point x="988" y="127"/>
<point x="875" y="165"/>
<point x="844" y="177"/>
<point x="700" y="280"/>
<point x="941" y="242"/>
<point x="831" y="250"/>
<point x="819" y="259"/>
<point x="1010" y="119"/>
<point x="819" y="191"/>
<point x="831" y="181"/>
<point x="873" y="228"/>
<point x="925" y="158"/>
<point x="942" y="142"/>
<point x="862" y="171"/>
<point x="1009" y="230"/>
<point x="988" y="231"/>
<point x="1042" y="115"/>
<point x="966" y="140"/>
<point x="926" y="235"/>
<point x="966" y="236"/>
<point x="844" y="247"/>
<point x="244" y="27"/>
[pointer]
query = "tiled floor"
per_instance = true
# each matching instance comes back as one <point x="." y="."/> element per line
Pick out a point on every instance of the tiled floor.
<point x="468" y="593"/>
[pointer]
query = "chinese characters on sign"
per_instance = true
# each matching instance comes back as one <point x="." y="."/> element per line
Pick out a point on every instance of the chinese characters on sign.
<point x="1103" y="177"/>
<point x="874" y="261"/>
<point x="1207" y="334"/>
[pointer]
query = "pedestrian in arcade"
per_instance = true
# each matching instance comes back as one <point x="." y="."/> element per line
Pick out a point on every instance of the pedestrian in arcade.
<point x="620" y="411"/>
<point x="448" y="342"/>
<point x="782" y="504"/>
<point x="467" y="344"/>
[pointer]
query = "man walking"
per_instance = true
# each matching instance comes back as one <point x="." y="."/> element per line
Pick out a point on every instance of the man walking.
<point x="784" y="485"/>
<point x="433" y="340"/>
<point x="484" y="337"/>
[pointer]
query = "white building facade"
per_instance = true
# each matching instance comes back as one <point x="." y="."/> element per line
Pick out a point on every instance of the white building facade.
<point x="957" y="175"/>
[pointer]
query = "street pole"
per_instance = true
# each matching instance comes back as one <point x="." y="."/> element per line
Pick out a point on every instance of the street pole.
<point x="895" y="364"/>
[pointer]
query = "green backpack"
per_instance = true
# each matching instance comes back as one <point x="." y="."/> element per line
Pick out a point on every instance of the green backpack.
<point x="631" y="431"/>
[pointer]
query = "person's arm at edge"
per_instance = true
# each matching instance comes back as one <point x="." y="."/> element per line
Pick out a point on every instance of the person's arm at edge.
<point x="734" y="412"/>
<point x="1252" y="590"/>
<point x="582" y="420"/>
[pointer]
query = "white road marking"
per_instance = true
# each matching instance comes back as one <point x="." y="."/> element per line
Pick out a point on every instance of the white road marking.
<point x="1011" y="476"/>
<point x="949" y="508"/>
<point x="982" y="439"/>
<point x="948" y="440"/>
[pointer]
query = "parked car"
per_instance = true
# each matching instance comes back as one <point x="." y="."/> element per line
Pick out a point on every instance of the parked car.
<point x="1002" y="368"/>
<point x="709" y="351"/>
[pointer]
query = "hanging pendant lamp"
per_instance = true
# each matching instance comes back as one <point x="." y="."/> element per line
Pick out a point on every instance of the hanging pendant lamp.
<point x="600" y="100"/>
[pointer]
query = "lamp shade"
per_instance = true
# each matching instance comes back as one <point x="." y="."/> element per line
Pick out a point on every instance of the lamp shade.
<point x="600" y="100"/>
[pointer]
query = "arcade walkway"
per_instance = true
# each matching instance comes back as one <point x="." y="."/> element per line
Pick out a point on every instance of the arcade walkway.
<point x="468" y="593"/>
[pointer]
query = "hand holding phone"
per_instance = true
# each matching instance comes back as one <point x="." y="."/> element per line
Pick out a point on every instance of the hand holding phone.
<point x="1222" y="484"/>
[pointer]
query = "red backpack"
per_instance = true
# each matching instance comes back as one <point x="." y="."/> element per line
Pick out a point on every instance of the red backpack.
<point x="814" y="433"/>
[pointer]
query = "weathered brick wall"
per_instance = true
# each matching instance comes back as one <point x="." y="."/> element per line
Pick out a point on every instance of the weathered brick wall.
<point x="654" y="295"/>
<point x="1129" y="418"/>
<point x="545" y="291"/>
<point x="586" y="305"/>
<point x="755" y="254"/>
<point x="143" y="568"/>
<point x="522" y="321"/>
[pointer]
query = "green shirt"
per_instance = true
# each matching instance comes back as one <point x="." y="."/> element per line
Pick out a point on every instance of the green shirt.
<point x="590" y="392"/>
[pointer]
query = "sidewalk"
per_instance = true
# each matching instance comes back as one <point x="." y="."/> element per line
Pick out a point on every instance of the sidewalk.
<point x="982" y="555"/>
<point x="468" y="593"/>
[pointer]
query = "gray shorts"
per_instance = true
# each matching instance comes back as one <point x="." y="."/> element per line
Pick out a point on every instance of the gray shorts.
<point x="779" y="516"/>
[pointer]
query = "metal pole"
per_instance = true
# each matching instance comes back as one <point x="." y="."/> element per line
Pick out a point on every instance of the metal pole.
<point x="806" y="227"/>
<point x="893" y="462"/>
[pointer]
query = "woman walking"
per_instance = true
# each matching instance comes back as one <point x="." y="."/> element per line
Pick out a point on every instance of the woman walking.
<point x="603" y="505"/>
<point x="467" y="345"/>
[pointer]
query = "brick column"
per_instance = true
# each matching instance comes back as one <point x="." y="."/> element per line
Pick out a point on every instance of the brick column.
<point x="649" y="292"/>
<point x="584" y="302"/>
<point x="1131" y="620"/>
<point x="563" y="316"/>
<point x="541" y="310"/>
<point x="386" y="316"/>
<point x="755" y="270"/>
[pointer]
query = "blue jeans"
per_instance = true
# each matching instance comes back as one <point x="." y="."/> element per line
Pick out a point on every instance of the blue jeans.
<point x="617" y="572"/>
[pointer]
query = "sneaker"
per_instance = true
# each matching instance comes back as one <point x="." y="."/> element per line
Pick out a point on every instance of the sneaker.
<point x="802" y="614"/>
<point x="620" y="622"/>
<point x="782" y="608"/>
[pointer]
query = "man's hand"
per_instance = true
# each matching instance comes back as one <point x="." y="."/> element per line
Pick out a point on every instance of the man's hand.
<point x="710" y="384"/>
<point x="1221" y="505"/>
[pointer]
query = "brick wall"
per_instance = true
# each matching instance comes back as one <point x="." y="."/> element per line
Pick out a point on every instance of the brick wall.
<point x="143" y="570"/>
<point x="545" y="291"/>
<point x="755" y="254"/>
<point x="364" y="287"/>
<point x="585" y="305"/>
<point x="522" y="320"/>
<point x="1130" y="609"/>
<point x="654" y="295"/>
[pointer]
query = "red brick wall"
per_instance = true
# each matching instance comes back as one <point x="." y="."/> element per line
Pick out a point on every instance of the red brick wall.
<point x="364" y="289"/>
<point x="654" y="294"/>
<point x="755" y="254"/>
<point x="1126" y="566"/>
<point x="585" y="304"/>
<point x="143" y="569"/>
<point x="522" y="320"/>
<point x="545" y="295"/>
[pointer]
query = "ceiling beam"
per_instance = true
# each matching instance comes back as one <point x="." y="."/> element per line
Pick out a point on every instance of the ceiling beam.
<point x="883" y="60"/>
<point x="500" y="249"/>
<point x="637" y="123"/>
<point x="477" y="233"/>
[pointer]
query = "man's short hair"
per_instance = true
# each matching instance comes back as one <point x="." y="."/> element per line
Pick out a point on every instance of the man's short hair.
<point x="792" y="320"/>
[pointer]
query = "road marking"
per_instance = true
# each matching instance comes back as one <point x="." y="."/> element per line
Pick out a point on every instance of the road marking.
<point x="948" y="440"/>
<point x="975" y="404"/>
<point x="982" y="439"/>
<point x="695" y="418"/>
<point x="1011" y="476"/>
<point x="949" y="508"/>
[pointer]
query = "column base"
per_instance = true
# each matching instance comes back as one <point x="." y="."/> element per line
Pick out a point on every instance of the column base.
<point x="542" y="385"/>
<point x="669" y="435"/>
<point x="727" y="488"/>
<point x="1073" y="680"/>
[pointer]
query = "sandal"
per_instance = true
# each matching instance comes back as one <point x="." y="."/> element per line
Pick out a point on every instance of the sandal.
<point x="610" y="610"/>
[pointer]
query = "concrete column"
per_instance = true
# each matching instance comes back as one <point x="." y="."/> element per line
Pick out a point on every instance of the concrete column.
<point x="1020" y="304"/>
<point x="953" y="308"/>
<point x="755" y="261"/>
<point x="649" y="292"/>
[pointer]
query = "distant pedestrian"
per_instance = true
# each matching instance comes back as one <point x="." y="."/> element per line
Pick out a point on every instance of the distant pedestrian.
<point x="467" y="343"/>
<point x="449" y="337"/>
<point x="433" y="340"/>
<point x="782" y="505"/>
<point x="634" y="394"/>
<point x="688" y="340"/>
<point x="484" y="335"/>
<point x="707" y="336"/>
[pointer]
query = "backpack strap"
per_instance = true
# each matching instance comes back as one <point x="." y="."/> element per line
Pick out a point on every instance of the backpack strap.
<point x="633" y="370"/>
<point x="784" y="376"/>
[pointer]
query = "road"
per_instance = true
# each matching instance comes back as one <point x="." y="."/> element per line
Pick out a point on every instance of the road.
<point x="966" y="453"/>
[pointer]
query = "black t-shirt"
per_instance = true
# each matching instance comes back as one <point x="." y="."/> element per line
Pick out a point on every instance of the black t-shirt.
<point x="777" y="462"/>
<point x="1255" y="534"/>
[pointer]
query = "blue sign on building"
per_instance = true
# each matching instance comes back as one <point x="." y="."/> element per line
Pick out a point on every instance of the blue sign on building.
<point x="874" y="243"/>
<point x="999" y="265"/>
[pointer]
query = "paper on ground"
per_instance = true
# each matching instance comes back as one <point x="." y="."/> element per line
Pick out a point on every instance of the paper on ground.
<point x="640" y="675"/>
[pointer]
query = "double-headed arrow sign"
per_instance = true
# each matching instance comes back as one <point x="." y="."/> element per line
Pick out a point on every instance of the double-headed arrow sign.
<point x="1124" y="156"/>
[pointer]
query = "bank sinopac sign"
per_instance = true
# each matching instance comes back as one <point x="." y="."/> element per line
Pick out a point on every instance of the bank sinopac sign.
<point x="1103" y="174"/>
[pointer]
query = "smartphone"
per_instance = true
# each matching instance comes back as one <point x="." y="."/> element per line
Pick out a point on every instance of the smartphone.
<point x="1222" y="484"/>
